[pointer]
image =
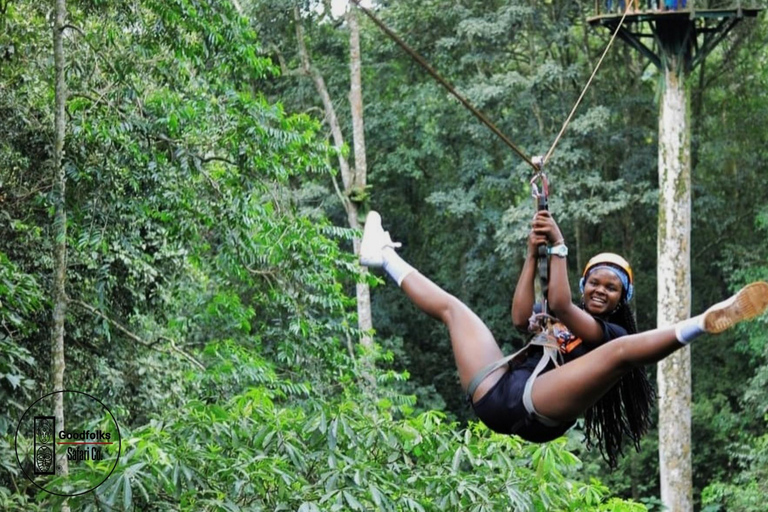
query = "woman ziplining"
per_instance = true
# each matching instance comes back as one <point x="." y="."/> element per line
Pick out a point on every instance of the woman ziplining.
<point x="601" y="375"/>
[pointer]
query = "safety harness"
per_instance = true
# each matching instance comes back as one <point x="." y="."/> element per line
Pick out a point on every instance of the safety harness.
<point x="553" y="338"/>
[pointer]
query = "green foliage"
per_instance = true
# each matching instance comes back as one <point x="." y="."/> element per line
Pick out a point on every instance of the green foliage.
<point x="210" y="285"/>
<point x="15" y="383"/>
<point x="20" y="299"/>
<point x="746" y="490"/>
<point x="186" y="240"/>
<point x="459" y="200"/>
<point x="254" y="453"/>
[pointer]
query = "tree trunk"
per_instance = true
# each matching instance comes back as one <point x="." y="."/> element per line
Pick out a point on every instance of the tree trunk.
<point x="59" y="230"/>
<point x="359" y="175"/>
<point x="674" y="285"/>
<point x="353" y="179"/>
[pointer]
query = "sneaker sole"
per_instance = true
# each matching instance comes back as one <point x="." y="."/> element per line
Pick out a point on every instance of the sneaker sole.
<point x="749" y="302"/>
<point x="370" y="257"/>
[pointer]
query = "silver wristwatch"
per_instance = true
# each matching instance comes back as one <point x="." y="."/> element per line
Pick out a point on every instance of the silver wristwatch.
<point x="558" y="250"/>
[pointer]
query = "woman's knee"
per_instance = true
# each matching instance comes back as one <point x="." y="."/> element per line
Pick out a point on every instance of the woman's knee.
<point x="620" y="353"/>
<point x="451" y="308"/>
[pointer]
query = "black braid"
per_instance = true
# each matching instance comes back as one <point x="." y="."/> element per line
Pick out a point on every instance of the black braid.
<point x="625" y="409"/>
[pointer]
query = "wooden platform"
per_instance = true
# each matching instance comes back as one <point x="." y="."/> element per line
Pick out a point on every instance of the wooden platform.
<point x="690" y="33"/>
<point x="611" y="19"/>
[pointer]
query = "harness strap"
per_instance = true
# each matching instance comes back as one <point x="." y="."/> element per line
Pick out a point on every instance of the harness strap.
<point x="543" y="339"/>
<point x="550" y="354"/>
<point x="542" y="203"/>
<point x="489" y="369"/>
<point x="544" y="277"/>
<point x="543" y="260"/>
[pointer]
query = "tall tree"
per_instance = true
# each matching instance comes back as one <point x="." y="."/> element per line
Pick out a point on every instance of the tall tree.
<point x="357" y="186"/>
<point x="679" y="52"/>
<point x="353" y="176"/>
<point x="674" y="286"/>
<point x="59" y="294"/>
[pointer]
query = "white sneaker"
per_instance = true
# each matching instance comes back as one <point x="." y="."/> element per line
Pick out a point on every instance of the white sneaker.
<point x="375" y="240"/>
<point x="749" y="302"/>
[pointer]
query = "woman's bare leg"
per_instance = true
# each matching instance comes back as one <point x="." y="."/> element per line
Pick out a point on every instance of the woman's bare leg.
<point x="567" y="391"/>
<point x="564" y="393"/>
<point x="473" y="344"/>
<point x="474" y="347"/>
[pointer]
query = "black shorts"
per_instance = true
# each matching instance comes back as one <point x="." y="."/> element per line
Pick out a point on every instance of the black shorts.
<point x="502" y="410"/>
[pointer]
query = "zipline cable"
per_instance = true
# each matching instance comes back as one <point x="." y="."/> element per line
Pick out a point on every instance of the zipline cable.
<point x="418" y="58"/>
<point x="539" y="164"/>
<point x="589" y="82"/>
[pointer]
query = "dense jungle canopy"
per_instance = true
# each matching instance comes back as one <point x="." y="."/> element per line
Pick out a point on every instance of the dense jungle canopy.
<point x="210" y="280"/>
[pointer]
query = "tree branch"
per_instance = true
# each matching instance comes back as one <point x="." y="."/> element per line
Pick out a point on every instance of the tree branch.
<point x="322" y="90"/>
<point x="187" y="355"/>
<point x="344" y="199"/>
<point x="284" y="69"/>
<point x="134" y="337"/>
<point x="723" y="238"/>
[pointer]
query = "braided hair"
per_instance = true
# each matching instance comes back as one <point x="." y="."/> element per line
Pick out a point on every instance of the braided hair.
<point x="625" y="409"/>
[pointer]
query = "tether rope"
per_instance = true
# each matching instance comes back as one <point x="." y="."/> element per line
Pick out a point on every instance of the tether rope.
<point x="589" y="82"/>
<point x="487" y="122"/>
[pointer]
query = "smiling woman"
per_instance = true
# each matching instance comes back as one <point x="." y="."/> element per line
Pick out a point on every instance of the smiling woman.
<point x="589" y="360"/>
<point x="614" y="272"/>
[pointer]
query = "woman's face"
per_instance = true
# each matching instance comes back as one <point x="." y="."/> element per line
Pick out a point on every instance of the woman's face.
<point x="602" y="292"/>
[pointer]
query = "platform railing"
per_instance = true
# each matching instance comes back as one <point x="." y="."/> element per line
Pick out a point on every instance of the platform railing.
<point x="637" y="6"/>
